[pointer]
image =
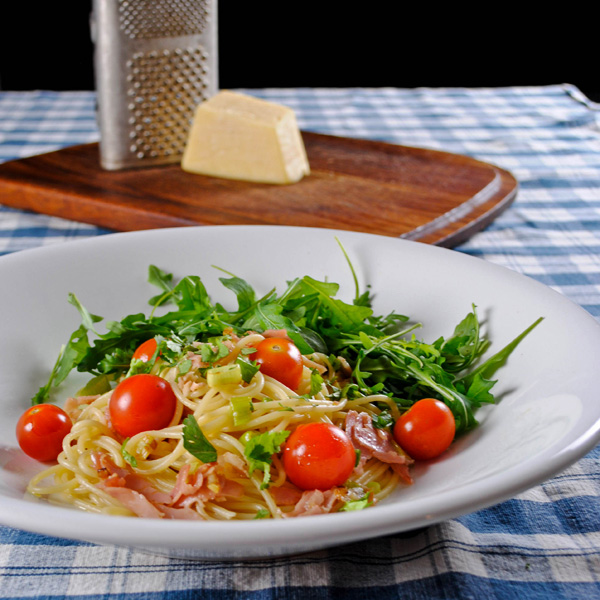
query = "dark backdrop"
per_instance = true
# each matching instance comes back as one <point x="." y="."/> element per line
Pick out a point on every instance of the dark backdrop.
<point x="318" y="44"/>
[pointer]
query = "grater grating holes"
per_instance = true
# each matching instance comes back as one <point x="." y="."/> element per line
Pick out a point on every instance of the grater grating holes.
<point x="165" y="89"/>
<point x="148" y="19"/>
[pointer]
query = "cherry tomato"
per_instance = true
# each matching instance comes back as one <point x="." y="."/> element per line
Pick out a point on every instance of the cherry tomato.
<point x="141" y="403"/>
<point x="426" y="429"/>
<point x="41" y="430"/>
<point x="279" y="358"/>
<point x="146" y="350"/>
<point x="318" y="456"/>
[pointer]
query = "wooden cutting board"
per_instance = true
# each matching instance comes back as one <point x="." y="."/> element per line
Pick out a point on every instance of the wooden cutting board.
<point x="360" y="185"/>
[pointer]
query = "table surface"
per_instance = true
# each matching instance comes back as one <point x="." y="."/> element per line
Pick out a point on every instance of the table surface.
<point x="544" y="543"/>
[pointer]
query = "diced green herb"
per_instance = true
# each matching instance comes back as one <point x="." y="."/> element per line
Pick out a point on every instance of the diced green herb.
<point x="241" y="410"/>
<point x="184" y="366"/>
<point x="383" y="419"/>
<point x="249" y="369"/>
<point x="316" y="382"/>
<point x="259" y="451"/>
<point x="196" y="443"/>
<point x="353" y="505"/>
<point x="126" y="455"/>
<point x="225" y="375"/>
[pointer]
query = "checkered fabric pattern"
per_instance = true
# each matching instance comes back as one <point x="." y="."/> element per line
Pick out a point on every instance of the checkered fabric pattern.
<point x="542" y="544"/>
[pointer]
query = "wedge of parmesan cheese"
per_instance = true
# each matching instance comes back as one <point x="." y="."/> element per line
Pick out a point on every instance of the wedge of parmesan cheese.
<point x="236" y="136"/>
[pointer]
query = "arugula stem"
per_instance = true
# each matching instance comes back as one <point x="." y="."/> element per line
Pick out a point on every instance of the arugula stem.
<point x="354" y="277"/>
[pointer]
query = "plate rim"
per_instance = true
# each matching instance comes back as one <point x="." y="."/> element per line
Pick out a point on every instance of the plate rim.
<point x="13" y="513"/>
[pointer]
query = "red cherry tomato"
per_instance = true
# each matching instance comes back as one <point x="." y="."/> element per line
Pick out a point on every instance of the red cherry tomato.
<point x="146" y="350"/>
<point x="141" y="403"/>
<point x="318" y="456"/>
<point x="426" y="429"/>
<point x="279" y="358"/>
<point x="41" y="430"/>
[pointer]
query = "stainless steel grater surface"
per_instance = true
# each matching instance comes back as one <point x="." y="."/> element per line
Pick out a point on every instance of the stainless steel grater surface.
<point x="155" y="61"/>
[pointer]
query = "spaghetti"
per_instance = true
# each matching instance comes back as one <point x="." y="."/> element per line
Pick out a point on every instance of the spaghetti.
<point x="152" y="474"/>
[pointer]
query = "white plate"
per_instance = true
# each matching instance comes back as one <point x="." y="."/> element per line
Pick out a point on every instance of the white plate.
<point x="547" y="418"/>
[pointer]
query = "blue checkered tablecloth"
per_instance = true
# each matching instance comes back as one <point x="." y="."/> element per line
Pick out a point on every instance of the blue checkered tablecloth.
<point x="545" y="543"/>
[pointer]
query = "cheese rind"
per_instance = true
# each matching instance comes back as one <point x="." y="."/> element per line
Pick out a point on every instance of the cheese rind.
<point x="236" y="136"/>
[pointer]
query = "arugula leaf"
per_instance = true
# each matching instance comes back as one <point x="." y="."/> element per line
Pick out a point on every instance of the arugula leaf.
<point x="196" y="443"/>
<point x="87" y="319"/>
<point x="259" y="451"/>
<point x="191" y="295"/>
<point x="162" y="280"/>
<point x="70" y="355"/>
<point x="492" y="364"/>
<point x="465" y="345"/>
<point x="244" y="292"/>
<point x="479" y="390"/>
<point x="339" y="316"/>
<point x="99" y="384"/>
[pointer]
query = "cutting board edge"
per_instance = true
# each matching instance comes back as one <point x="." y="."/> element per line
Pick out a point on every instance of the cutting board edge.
<point x="58" y="202"/>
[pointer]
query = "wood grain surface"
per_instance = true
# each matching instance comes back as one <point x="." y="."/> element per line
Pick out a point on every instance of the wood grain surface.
<point x="360" y="185"/>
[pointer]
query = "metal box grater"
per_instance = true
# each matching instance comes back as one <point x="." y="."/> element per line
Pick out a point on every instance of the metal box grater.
<point x="155" y="61"/>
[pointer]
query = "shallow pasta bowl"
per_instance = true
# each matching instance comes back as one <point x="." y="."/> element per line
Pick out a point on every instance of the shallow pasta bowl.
<point x="546" y="418"/>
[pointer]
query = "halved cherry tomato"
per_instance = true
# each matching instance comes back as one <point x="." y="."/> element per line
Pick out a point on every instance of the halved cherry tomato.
<point x="318" y="456"/>
<point x="41" y="430"/>
<point x="145" y="351"/>
<point x="141" y="403"/>
<point x="279" y="358"/>
<point x="426" y="429"/>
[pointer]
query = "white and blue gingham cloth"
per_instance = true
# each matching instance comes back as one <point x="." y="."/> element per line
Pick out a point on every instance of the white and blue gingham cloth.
<point x="543" y="544"/>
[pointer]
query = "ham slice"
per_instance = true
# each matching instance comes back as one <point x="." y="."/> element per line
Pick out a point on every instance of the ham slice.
<point x="314" y="502"/>
<point x="285" y="496"/>
<point x="204" y="485"/>
<point x="376" y="443"/>
<point x="276" y="333"/>
<point x="74" y="406"/>
<point x="134" y="501"/>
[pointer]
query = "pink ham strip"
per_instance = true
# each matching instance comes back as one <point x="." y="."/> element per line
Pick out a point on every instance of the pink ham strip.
<point x="192" y="488"/>
<point x="314" y="502"/>
<point x="134" y="501"/>
<point x="285" y="496"/>
<point x="144" y="500"/>
<point x="74" y="406"/>
<point x="276" y="333"/>
<point x="376" y="443"/>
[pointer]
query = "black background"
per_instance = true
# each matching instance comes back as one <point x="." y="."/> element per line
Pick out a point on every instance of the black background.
<point x="320" y="44"/>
